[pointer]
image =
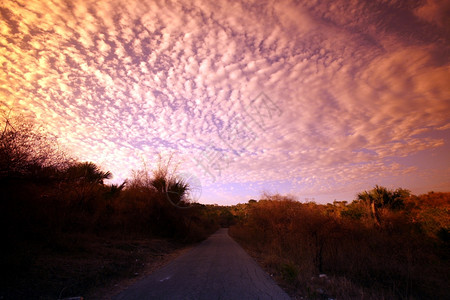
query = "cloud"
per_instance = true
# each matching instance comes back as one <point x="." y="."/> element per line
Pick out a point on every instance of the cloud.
<point x="435" y="11"/>
<point x="319" y="95"/>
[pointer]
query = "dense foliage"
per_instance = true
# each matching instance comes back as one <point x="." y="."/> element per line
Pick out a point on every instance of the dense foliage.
<point x="52" y="203"/>
<point x="395" y="249"/>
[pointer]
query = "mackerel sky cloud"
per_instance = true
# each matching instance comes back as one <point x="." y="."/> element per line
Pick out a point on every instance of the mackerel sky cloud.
<point x="318" y="99"/>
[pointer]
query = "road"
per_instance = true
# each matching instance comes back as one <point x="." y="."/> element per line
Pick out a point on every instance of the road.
<point x="218" y="268"/>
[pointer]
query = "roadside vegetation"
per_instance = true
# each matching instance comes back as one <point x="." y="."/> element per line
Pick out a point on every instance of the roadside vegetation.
<point x="386" y="244"/>
<point x="65" y="232"/>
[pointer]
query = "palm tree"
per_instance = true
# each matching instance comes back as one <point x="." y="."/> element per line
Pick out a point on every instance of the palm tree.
<point x="87" y="172"/>
<point x="381" y="197"/>
<point x="177" y="190"/>
<point x="83" y="180"/>
<point x="376" y="198"/>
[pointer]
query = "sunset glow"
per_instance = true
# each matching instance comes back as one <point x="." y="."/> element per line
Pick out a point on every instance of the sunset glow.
<point x="317" y="99"/>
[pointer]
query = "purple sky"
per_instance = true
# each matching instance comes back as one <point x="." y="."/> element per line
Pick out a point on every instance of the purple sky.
<point x="317" y="99"/>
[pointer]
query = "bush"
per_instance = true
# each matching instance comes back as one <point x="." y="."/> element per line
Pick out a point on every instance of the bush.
<point x="28" y="152"/>
<point x="396" y="259"/>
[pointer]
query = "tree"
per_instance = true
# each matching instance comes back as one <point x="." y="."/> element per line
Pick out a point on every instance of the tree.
<point x="166" y="181"/>
<point x="381" y="197"/>
<point x="28" y="151"/>
<point x="84" y="181"/>
<point x="87" y="172"/>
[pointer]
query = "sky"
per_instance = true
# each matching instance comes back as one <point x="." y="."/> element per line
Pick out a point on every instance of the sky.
<point x="315" y="99"/>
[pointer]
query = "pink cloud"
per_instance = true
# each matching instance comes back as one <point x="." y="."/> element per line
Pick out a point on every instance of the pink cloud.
<point x="354" y="93"/>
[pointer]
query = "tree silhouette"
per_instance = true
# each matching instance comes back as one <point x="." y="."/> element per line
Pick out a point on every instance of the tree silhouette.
<point x="28" y="151"/>
<point x="166" y="181"/>
<point x="87" y="172"/>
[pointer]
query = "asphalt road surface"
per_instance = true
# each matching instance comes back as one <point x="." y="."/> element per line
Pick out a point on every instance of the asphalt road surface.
<point x="218" y="268"/>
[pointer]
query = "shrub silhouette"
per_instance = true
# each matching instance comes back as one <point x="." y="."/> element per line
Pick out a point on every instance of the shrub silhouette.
<point x="166" y="181"/>
<point x="86" y="172"/>
<point x="50" y="202"/>
<point x="28" y="152"/>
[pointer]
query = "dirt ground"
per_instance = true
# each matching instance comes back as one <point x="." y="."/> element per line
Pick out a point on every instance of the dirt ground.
<point x="91" y="267"/>
<point x="154" y="263"/>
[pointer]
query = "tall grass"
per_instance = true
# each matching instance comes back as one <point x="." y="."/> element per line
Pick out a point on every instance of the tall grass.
<point x="361" y="260"/>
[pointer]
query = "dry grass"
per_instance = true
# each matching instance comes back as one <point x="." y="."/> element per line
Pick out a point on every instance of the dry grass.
<point x="300" y="284"/>
<point x="154" y="262"/>
<point x="299" y="243"/>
